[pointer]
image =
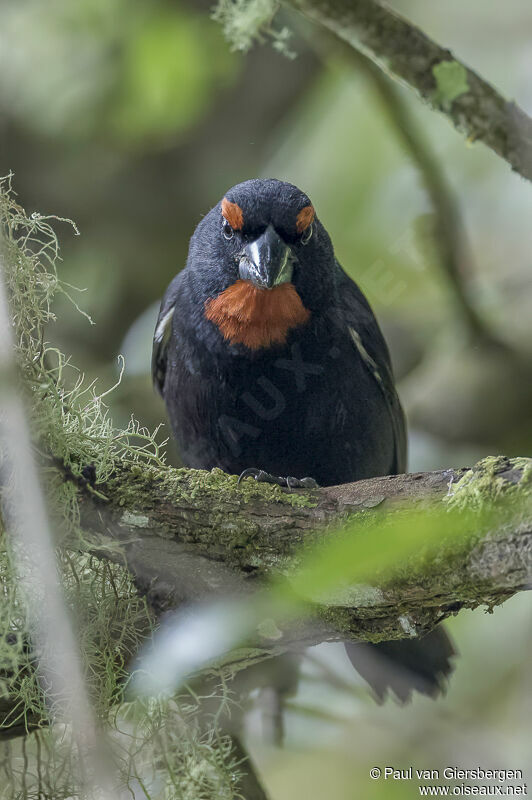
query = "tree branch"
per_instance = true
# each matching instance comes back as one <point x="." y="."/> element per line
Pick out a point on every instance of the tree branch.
<point x="401" y="49"/>
<point x="189" y="535"/>
<point x="450" y="236"/>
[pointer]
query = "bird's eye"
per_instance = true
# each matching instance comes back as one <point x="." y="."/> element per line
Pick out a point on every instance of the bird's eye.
<point x="305" y="239"/>
<point x="227" y="230"/>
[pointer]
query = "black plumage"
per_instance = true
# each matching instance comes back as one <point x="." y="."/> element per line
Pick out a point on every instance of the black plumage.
<point x="268" y="355"/>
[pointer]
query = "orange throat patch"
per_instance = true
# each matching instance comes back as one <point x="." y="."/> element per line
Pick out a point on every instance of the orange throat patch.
<point x="256" y="317"/>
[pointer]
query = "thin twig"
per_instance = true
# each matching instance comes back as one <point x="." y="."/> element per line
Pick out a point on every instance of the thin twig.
<point x="451" y="239"/>
<point x="402" y="50"/>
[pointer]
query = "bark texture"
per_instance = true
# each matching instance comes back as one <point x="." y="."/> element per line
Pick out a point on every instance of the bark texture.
<point x="189" y="535"/>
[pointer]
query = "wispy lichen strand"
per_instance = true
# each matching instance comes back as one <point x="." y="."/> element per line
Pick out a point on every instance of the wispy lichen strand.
<point x="72" y="429"/>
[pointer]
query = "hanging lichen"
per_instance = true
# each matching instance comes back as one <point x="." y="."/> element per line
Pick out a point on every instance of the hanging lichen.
<point x="162" y="746"/>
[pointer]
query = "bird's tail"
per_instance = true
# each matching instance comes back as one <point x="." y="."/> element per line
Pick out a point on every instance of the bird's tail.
<point x="405" y="665"/>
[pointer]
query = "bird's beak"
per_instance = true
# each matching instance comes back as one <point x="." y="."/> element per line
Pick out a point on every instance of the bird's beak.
<point x="267" y="262"/>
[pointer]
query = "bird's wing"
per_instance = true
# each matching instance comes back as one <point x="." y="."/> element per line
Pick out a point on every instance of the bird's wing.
<point x="364" y="331"/>
<point x="163" y="332"/>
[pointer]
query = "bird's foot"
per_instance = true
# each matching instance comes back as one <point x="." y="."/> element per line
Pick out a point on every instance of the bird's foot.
<point x="289" y="482"/>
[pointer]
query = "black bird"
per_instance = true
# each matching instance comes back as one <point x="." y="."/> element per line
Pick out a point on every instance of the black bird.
<point x="272" y="365"/>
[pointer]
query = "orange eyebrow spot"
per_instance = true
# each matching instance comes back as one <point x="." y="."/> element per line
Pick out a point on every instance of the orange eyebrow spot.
<point x="304" y="218"/>
<point x="233" y="214"/>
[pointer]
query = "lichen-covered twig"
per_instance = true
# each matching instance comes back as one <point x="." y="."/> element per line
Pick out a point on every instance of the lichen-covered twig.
<point x="402" y="50"/>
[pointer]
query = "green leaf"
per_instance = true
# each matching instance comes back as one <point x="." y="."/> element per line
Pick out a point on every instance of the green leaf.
<point x="451" y="82"/>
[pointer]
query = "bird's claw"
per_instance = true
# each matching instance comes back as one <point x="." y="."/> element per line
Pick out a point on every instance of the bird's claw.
<point x="289" y="482"/>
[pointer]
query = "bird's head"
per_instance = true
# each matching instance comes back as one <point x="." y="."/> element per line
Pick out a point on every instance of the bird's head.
<point x="264" y="263"/>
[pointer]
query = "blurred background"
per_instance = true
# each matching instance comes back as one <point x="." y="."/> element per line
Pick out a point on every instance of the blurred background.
<point x="133" y="118"/>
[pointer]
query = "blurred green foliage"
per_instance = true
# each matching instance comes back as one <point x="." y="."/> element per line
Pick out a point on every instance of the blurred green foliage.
<point x="165" y="83"/>
<point x="128" y="72"/>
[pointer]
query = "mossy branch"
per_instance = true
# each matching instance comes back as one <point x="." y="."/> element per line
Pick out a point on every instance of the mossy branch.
<point x="402" y="50"/>
<point x="189" y="535"/>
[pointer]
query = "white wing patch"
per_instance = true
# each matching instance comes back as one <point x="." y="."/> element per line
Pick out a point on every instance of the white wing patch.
<point x="163" y="329"/>
<point x="368" y="360"/>
<point x="161" y="341"/>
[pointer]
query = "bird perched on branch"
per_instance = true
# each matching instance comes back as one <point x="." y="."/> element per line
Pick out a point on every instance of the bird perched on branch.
<point x="273" y="366"/>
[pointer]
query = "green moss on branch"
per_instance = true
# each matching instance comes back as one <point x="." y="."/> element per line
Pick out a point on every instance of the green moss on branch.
<point x="488" y="481"/>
